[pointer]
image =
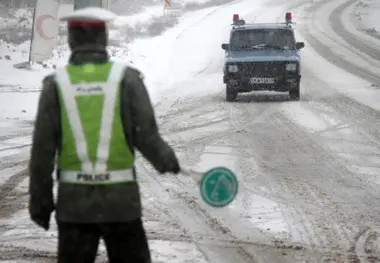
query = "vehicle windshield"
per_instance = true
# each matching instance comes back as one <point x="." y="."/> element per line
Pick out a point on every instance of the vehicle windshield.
<point x="272" y="38"/>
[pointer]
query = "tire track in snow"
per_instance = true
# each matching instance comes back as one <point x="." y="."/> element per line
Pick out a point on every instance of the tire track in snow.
<point x="361" y="9"/>
<point x="336" y="231"/>
<point x="263" y="115"/>
<point x="361" y="114"/>
<point x="9" y="207"/>
<point x="208" y="222"/>
<point x="367" y="246"/>
<point x="242" y="120"/>
<point x="210" y="123"/>
<point x="156" y="185"/>
<point x="298" y="215"/>
<point x="293" y="214"/>
<point x="318" y="233"/>
<point x="308" y="32"/>
<point x="10" y="253"/>
<point x="12" y="155"/>
<point x="15" y="147"/>
<point x="364" y="120"/>
<point x="342" y="227"/>
<point x="337" y="25"/>
<point x="196" y="221"/>
<point x="12" y="171"/>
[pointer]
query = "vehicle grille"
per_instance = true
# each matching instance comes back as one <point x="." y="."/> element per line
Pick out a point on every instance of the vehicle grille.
<point x="262" y="69"/>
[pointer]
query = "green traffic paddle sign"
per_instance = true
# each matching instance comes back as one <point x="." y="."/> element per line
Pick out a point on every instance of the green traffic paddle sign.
<point x="219" y="187"/>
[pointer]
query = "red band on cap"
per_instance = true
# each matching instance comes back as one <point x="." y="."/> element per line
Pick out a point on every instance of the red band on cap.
<point x="86" y="23"/>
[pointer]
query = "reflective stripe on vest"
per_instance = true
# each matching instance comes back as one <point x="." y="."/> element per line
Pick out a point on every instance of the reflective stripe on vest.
<point x="93" y="171"/>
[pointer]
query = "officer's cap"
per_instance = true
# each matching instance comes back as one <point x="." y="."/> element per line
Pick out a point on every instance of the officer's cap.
<point x="89" y="16"/>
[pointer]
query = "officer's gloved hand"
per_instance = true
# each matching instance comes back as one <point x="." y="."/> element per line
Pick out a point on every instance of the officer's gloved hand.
<point x="40" y="212"/>
<point x="173" y="167"/>
<point x="42" y="221"/>
<point x="169" y="164"/>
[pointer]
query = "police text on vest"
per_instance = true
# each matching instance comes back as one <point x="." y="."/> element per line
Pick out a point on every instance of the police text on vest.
<point x="89" y="89"/>
<point x="93" y="177"/>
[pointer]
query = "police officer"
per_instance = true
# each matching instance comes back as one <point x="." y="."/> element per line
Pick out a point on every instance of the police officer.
<point x="93" y="114"/>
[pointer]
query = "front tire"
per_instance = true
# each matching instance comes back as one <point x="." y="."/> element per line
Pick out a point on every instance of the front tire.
<point x="230" y="94"/>
<point x="294" y="93"/>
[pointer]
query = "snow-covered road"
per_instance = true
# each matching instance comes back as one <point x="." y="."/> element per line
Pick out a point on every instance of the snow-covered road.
<point x="308" y="170"/>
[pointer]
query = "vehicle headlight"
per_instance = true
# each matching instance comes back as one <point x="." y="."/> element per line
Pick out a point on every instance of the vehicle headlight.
<point x="233" y="68"/>
<point x="291" y="67"/>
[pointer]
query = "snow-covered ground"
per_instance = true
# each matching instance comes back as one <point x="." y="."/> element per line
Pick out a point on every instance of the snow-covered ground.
<point x="367" y="14"/>
<point x="373" y="14"/>
<point x="308" y="170"/>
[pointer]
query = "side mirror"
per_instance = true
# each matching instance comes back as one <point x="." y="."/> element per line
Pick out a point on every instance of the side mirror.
<point x="225" y="46"/>
<point x="300" y="45"/>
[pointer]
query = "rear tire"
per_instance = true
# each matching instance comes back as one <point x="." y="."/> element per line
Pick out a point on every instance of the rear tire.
<point x="295" y="93"/>
<point x="230" y="94"/>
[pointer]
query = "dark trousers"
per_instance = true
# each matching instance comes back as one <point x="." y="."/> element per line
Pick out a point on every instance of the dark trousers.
<point x="125" y="242"/>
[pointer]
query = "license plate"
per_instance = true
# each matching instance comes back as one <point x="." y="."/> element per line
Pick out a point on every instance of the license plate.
<point x="262" y="80"/>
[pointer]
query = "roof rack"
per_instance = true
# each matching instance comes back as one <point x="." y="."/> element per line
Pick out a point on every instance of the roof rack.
<point x="258" y="24"/>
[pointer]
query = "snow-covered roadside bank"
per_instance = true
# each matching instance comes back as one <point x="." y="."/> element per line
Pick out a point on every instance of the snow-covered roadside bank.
<point x="367" y="17"/>
<point x="154" y="56"/>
